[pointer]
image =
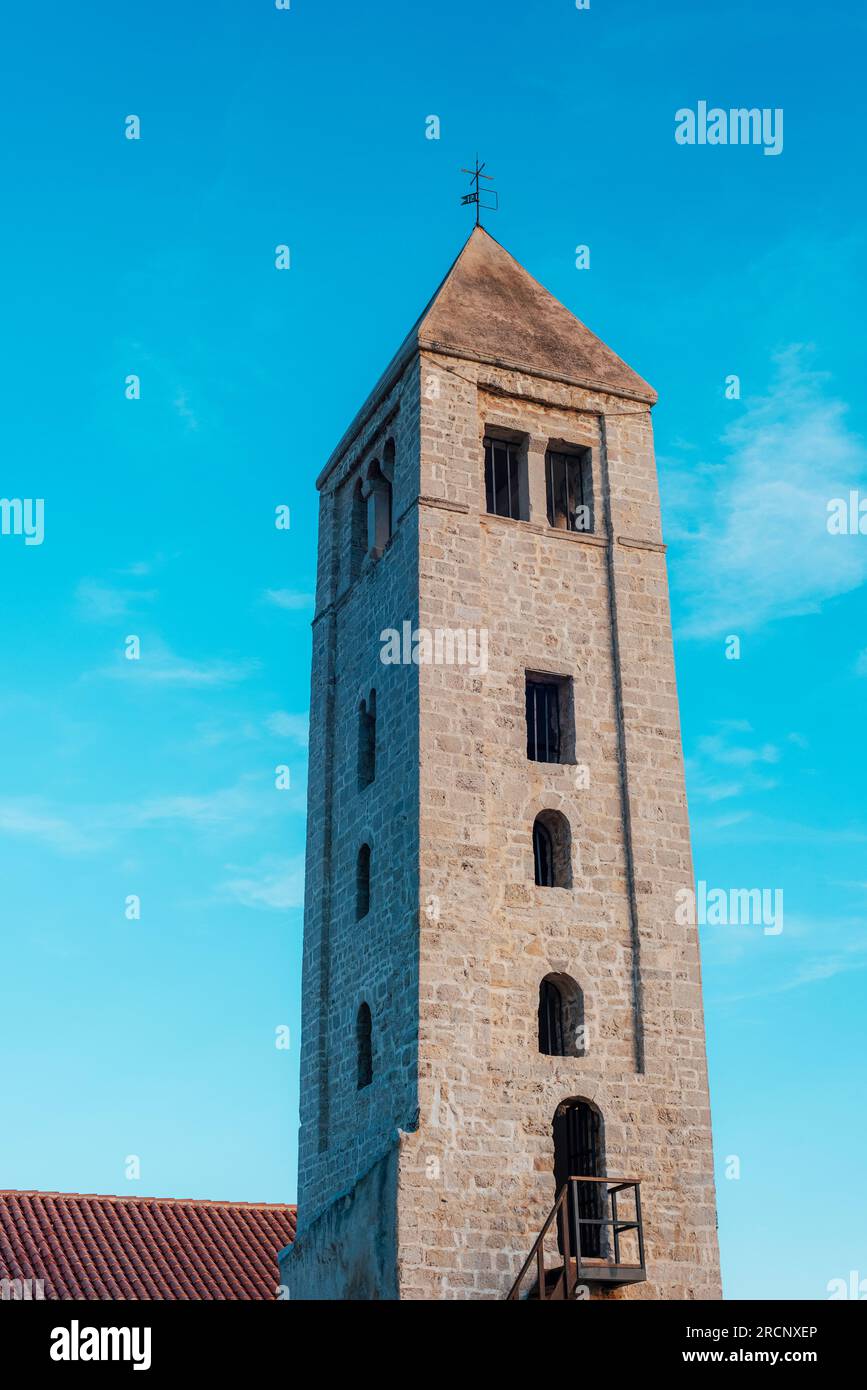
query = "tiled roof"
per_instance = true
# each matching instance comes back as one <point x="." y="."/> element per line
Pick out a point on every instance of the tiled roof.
<point x="93" y="1247"/>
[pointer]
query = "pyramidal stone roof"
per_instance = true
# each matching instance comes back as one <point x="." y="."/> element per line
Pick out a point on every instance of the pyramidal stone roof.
<point x="102" y="1247"/>
<point x="490" y="309"/>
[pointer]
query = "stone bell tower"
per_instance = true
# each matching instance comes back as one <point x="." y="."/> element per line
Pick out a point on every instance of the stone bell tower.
<point x="500" y="1009"/>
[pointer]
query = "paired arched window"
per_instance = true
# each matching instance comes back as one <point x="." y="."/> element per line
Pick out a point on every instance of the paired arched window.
<point x="362" y="883"/>
<point x="552" y="850"/>
<point x="367" y="740"/>
<point x="561" y="1017"/>
<point x="377" y="490"/>
<point x="357" y="530"/>
<point x="364" y="1045"/>
<point x="372" y="520"/>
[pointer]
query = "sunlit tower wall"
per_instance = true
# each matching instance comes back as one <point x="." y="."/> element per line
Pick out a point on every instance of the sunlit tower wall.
<point x="513" y="933"/>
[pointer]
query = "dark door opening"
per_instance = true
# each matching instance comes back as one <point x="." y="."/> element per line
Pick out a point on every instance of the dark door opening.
<point x="578" y="1153"/>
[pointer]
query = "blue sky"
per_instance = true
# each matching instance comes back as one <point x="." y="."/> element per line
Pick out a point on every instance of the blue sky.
<point x="156" y="257"/>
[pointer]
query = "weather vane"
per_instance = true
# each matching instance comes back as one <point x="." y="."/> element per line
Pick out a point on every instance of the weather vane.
<point x="475" y="196"/>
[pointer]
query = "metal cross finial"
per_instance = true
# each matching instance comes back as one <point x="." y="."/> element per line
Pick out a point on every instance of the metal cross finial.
<point x="475" y="196"/>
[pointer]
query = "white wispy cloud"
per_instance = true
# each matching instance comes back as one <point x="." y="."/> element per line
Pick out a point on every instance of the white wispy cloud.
<point x="273" y="883"/>
<point x="157" y="665"/>
<point x="87" y="827"/>
<point x="756" y="521"/>
<point x="220" y="807"/>
<point x="808" y="953"/>
<point x="861" y="663"/>
<point x="215" y="733"/>
<point x="742" y="755"/>
<point x="291" y="726"/>
<point x="102" y="602"/>
<point x="27" y="818"/>
<point x="290" y="599"/>
<point x="775" y="829"/>
<point x="732" y="748"/>
<point x="181" y="404"/>
<point x="725" y="822"/>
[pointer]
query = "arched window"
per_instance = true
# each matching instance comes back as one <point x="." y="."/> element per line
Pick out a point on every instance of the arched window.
<point x="364" y="1046"/>
<point x="358" y="530"/>
<point x="388" y="462"/>
<point x="552" y="850"/>
<point x="371" y="519"/>
<point x="561" y="1017"/>
<point x="543" y="855"/>
<point x="377" y="491"/>
<point x="362" y="883"/>
<point x="367" y="740"/>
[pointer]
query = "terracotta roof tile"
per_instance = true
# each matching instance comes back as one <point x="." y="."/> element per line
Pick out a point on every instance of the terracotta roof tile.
<point x="103" y="1247"/>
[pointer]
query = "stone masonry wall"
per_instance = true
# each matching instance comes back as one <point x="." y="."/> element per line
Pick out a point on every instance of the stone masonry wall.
<point x="476" y="1179"/>
<point x="350" y="1250"/>
<point x="346" y="1132"/>
<point x="445" y="1162"/>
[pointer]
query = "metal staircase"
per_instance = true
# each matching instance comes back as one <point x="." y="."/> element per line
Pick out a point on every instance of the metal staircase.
<point x="581" y="1244"/>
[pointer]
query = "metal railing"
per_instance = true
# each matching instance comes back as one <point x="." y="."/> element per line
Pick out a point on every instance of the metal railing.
<point x="568" y="1264"/>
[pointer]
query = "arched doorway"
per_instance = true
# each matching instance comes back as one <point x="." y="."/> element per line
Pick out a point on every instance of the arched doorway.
<point x="579" y="1152"/>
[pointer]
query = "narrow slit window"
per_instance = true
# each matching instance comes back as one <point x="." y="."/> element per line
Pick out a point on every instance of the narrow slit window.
<point x="364" y="1046"/>
<point x="568" y="491"/>
<point x="362" y="883"/>
<point x="503" y="478"/>
<point x="367" y="741"/>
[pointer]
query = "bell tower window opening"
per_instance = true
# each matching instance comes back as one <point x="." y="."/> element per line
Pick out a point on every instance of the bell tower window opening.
<point x="567" y="486"/>
<point x="504" y="479"/>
